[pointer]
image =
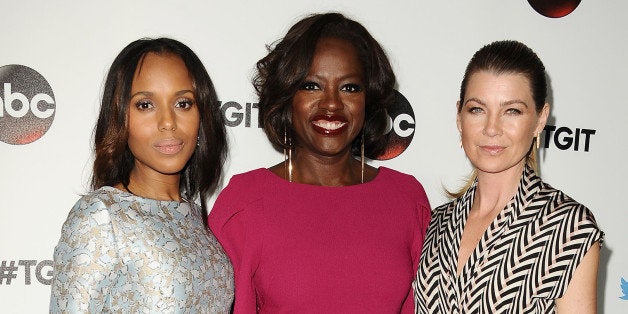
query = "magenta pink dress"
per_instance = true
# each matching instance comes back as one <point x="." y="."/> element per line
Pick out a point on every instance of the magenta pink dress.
<point x="298" y="248"/>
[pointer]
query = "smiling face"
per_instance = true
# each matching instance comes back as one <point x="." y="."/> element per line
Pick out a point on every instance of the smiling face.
<point x="498" y="121"/>
<point x="328" y="109"/>
<point x="163" y="116"/>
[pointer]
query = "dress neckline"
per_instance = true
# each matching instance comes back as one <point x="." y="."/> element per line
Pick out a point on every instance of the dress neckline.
<point x="129" y="194"/>
<point x="381" y="172"/>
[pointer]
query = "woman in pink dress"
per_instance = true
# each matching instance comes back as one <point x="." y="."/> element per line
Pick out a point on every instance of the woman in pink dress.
<point x="322" y="231"/>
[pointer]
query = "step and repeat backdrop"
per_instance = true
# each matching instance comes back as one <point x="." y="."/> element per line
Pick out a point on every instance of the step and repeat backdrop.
<point x="55" y="55"/>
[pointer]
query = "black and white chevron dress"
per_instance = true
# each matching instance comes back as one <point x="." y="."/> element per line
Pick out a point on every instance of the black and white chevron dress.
<point x="523" y="262"/>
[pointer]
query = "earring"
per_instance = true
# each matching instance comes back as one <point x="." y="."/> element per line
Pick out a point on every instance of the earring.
<point x="198" y="141"/>
<point x="287" y="154"/>
<point x="538" y="140"/>
<point x="362" y="156"/>
<point x="290" y="162"/>
<point x="460" y="141"/>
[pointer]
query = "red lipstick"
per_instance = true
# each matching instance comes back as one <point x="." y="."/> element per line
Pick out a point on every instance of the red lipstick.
<point x="329" y="125"/>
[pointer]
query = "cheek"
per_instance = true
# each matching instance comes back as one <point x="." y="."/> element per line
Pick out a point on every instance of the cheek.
<point x="469" y="127"/>
<point x="136" y="123"/>
<point x="192" y="122"/>
<point x="521" y="131"/>
<point x="137" y="131"/>
<point x="299" y="112"/>
<point x="138" y="139"/>
<point x="300" y="101"/>
<point x="358" y="108"/>
<point x="136" y="142"/>
<point x="524" y="139"/>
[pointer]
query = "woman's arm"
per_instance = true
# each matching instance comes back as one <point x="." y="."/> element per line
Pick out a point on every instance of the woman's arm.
<point x="233" y="228"/>
<point x="581" y="294"/>
<point x="83" y="260"/>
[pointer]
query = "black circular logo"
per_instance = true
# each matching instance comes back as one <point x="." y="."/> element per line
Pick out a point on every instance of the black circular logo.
<point x="27" y="105"/>
<point x="400" y="128"/>
<point x="554" y="8"/>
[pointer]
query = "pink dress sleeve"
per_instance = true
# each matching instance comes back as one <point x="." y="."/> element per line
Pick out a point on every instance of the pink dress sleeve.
<point x="424" y="213"/>
<point x="229" y="220"/>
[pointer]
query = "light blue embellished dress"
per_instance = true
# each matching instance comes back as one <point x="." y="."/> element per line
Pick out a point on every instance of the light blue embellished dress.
<point x="120" y="253"/>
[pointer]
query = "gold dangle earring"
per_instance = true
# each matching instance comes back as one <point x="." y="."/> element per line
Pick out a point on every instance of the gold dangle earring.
<point x="362" y="156"/>
<point x="290" y="159"/>
<point x="538" y="140"/>
<point x="287" y="156"/>
<point x="460" y="142"/>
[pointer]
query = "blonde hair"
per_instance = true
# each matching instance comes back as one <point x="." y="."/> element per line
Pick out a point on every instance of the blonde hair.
<point x="530" y="162"/>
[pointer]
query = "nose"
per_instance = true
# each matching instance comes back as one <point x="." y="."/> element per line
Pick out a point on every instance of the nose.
<point x="331" y="100"/>
<point x="492" y="126"/>
<point x="167" y="120"/>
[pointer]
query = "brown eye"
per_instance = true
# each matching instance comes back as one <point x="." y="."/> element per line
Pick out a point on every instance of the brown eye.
<point x="184" y="103"/>
<point x="352" y="88"/>
<point x="144" y="105"/>
<point x="309" y="86"/>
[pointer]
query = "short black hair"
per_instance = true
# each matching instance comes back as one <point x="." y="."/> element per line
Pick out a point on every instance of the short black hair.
<point x="282" y="71"/>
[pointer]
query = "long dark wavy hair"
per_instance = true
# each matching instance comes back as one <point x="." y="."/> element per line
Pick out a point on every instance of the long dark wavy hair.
<point x="114" y="160"/>
<point x="282" y="71"/>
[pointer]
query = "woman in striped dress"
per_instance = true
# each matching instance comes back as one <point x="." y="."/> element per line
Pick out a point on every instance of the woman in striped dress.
<point x="508" y="242"/>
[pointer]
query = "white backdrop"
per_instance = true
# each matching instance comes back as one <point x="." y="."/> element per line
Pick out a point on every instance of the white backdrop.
<point x="429" y="43"/>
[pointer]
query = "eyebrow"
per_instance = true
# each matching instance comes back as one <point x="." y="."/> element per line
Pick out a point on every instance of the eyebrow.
<point x="506" y="103"/>
<point x="355" y="75"/>
<point x="148" y="94"/>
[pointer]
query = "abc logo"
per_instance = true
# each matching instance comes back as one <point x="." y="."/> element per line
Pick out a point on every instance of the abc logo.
<point x="400" y="128"/>
<point x="554" y="8"/>
<point x="27" y="105"/>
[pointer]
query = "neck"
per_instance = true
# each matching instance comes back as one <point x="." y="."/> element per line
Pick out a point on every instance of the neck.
<point x="495" y="190"/>
<point x="325" y="170"/>
<point x="151" y="185"/>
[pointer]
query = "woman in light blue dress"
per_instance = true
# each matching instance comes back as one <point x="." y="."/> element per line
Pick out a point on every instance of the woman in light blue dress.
<point x="139" y="242"/>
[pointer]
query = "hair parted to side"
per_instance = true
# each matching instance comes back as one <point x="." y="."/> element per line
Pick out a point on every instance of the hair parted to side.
<point x="283" y="70"/>
<point x="114" y="160"/>
<point x="507" y="57"/>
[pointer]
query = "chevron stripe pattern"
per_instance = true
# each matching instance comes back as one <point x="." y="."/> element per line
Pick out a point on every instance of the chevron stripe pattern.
<point x="523" y="262"/>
